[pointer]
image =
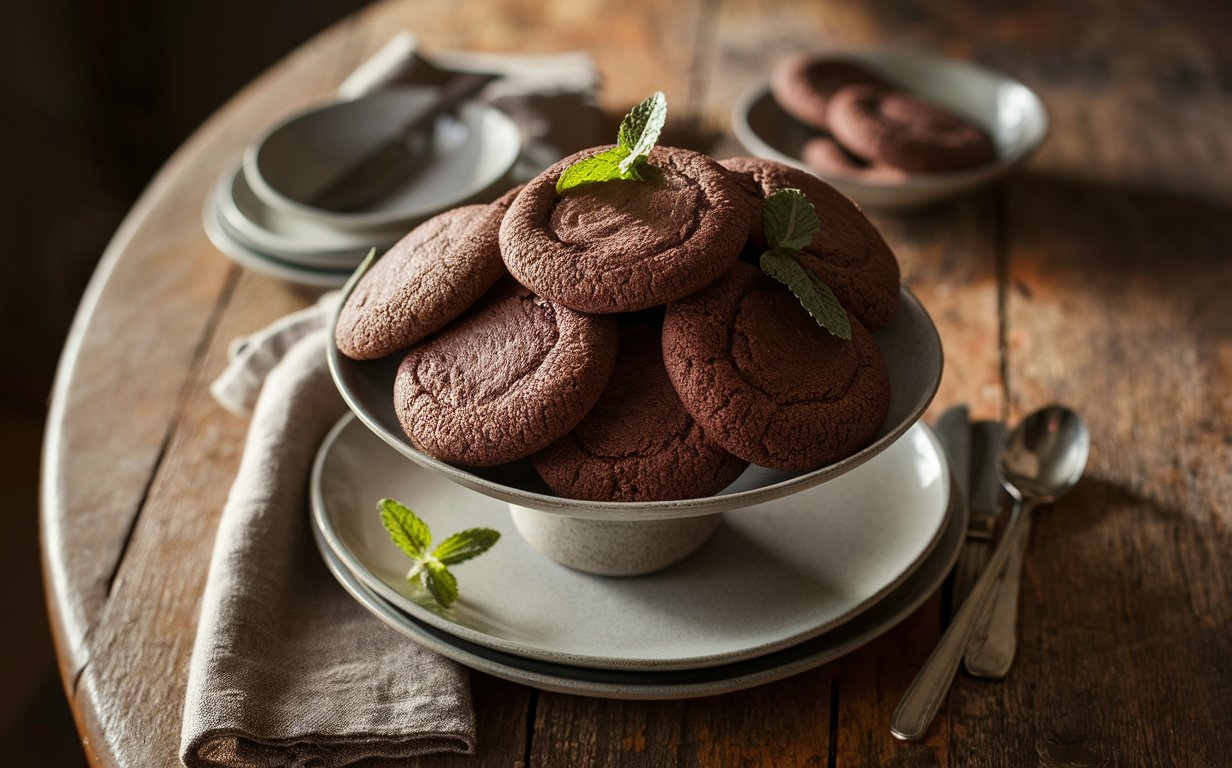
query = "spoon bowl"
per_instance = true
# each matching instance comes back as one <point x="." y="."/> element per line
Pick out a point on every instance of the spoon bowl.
<point x="1044" y="456"/>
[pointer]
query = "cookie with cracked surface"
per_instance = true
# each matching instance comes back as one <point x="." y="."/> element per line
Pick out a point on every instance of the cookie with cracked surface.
<point x="766" y="382"/>
<point x="848" y="252"/>
<point x="638" y="443"/>
<point x="621" y="246"/>
<point x="802" y="85"/>
<point x="426" y="279"/>
<point x="895" y="128"/>
<point x="513" y="375"/>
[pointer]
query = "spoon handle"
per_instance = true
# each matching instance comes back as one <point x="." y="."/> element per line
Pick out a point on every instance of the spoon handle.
<point x="919" y="705"/>
<point x="990" y="654"/>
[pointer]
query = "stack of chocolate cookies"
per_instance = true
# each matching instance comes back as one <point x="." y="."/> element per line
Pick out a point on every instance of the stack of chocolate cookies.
<point x="870" y="130"/>
<point x="615" y="335"/>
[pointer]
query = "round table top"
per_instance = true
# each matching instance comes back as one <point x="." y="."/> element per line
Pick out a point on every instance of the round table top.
<point x="1096" y="276"/>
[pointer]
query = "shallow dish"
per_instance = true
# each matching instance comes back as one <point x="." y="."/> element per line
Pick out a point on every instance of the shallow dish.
<point x="1011" y="113"/>
<point x="679" y="684"/>
<point x="909" y="344"/>
<point x="250" y="258"/>
<point x="772" y="575"/>
<point x="293" y="238"/>
<point x="470" y="155"/>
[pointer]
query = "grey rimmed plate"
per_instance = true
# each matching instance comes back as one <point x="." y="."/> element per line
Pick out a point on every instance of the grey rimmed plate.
<point x="1011" y="113"/>
<point x="678" y="684"/>
<point x="771" y="576"/>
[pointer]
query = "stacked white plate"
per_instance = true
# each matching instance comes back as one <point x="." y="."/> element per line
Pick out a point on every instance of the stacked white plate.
<point x="782" y="587"/>
<point x="254" y="216"/>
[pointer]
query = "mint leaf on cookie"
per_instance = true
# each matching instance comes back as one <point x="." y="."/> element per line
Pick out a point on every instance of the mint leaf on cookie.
<point x="790" y="223"/>
<point x="638" y="133"/>
<point x="816" y="296"/>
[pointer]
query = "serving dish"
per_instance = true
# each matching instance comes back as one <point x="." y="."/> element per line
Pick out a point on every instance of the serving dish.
<point x="1009" y="111"/>
<point x="909" y="344"/>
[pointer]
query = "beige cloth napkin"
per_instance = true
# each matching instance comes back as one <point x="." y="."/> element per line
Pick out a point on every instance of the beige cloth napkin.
<point x="287" y="669"/>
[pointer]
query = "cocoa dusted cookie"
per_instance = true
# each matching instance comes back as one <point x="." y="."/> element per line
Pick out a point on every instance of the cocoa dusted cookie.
<point x="514" y="374"/>
<point x="426" y="279"/>
<point x="894" y="128"/>
<point x="826" y="156"/>
<point x="638" y="443"/>
<point x="620" y="246"/>
<point x="765" y="381"/>
<point x="848" y="252"/>
<point x="803" y="84"/>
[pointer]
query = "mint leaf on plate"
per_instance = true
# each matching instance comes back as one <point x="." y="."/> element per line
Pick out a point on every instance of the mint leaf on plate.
<point x="430" y="569"/>
<point x="411" y="534"/>
<point x="464" y="545"/>
<point x="440" y="582"/>
<point x="790" y="221"/>
<point x="638" y="133"/>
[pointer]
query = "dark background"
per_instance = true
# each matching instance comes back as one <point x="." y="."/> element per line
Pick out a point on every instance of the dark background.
<point x="96" y="95"/>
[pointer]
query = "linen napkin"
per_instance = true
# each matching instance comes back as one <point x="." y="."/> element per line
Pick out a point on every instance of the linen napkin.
<point x="287" y="669"/>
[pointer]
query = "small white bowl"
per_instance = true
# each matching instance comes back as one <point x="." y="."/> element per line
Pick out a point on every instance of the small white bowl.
<point x="1011" y="113"/>
<point x="471" y="154"/>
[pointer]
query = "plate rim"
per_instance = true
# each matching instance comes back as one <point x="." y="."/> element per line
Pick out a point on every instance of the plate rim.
<point x="323" y="522"/>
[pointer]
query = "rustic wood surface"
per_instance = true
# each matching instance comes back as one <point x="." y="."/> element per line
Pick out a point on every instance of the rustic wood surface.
<point x="1098" y="276"/>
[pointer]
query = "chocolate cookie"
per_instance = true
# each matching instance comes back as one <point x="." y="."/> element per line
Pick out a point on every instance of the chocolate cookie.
<point x="847" y="252"/>
<point x="638" y="443"/>
<point x="803" y="84"/>
<point x="619" y="246"/>
<point x="425" y="280"/>
<point x="897" y="129"/>
<point x="826" y="156"/>
<point x="514" y="374"/>
<point x="765" y="381"/>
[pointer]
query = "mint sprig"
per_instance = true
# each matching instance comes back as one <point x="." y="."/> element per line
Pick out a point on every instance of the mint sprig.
<point x="790" y="223"/>
<point x="430" y="568"/>
<point x="638" y="133"/>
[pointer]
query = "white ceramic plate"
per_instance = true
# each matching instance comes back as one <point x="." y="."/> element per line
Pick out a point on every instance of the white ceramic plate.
<point x="250" y="258"/>
<point x="909" y="343"/>
<point x="1011" y="113"/>
<point x="293" y="238"/>
<point x="471" y="154"/>
<point x="771" y="576"/>
<point x="678" y="684"/>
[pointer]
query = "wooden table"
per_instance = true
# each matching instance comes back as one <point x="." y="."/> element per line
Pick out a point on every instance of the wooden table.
<point x="1099" y="276"/>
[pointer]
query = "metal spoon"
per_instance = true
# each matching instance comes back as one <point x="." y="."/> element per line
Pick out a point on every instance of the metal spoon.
<point x="1039" y="462"/>
<point x="1045" y="450"/>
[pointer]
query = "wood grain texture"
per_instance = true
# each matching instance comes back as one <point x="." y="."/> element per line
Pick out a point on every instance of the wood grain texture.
<point x="1096" y="277"/>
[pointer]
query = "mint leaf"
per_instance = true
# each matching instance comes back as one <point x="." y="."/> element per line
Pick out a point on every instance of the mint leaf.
<point x="464" y="545"/>
<point x="604" y="166"/>
<point x="440" y="582"/>
<point x="815" y="295"/>
<point x="414" y="538"/>
<point x="638" y="133"/>
<point x="640" y="130"/>
<point x="411" y="534"/>
<point x="789" y="219"/>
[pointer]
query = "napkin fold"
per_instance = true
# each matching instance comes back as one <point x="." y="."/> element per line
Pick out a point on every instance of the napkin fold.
<point x="287" y="669"/>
